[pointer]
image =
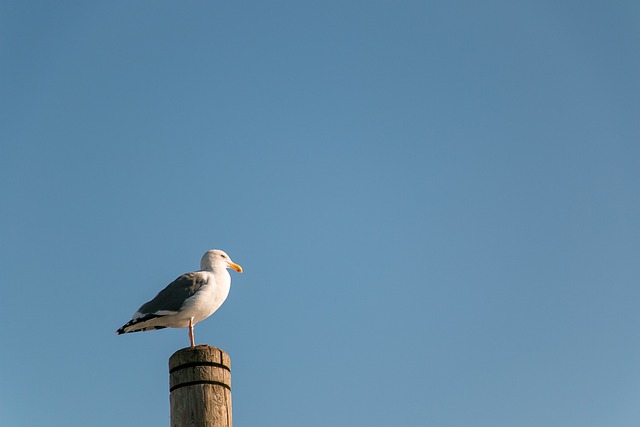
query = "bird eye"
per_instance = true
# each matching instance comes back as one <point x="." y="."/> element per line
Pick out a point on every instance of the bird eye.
<point x="223" y="256"/>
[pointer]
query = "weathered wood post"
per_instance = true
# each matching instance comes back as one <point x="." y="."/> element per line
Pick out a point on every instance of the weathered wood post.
<point x="200" y="387"/>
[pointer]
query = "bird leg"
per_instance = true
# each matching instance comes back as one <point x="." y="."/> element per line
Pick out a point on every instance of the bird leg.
<point x="193" y="341"/>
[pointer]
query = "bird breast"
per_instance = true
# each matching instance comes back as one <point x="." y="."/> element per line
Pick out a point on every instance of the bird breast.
<point x="209" y="297"/>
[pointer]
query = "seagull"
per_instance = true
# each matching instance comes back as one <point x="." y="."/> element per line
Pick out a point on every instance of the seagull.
<point x="187" y="300"/>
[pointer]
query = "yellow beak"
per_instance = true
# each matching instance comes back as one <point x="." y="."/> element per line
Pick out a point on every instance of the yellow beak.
<point x="235" y="266"/>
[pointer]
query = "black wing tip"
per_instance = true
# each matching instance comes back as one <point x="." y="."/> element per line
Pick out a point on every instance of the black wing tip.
<point x="126" y="325"/>
<point x="122" y="331"/>
<point x="139" y="320"/>
<point x="149" y="328"/>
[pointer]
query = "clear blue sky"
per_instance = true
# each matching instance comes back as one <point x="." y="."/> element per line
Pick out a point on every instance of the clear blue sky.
<point x="436" y="204"/>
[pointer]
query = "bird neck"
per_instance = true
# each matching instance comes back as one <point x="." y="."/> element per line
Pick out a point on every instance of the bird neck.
<point x="207" y="266"/>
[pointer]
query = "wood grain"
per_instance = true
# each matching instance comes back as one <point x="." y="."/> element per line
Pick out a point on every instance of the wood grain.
<point x="200" y="386"/>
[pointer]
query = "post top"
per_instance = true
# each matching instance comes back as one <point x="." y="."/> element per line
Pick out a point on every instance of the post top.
<point x="199" y="353"/>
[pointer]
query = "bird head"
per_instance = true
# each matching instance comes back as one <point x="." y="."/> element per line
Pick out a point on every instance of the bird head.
<point x="215" y="259"/>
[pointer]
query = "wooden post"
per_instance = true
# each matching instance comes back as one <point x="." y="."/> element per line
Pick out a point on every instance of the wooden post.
<point x="200" y="387"/>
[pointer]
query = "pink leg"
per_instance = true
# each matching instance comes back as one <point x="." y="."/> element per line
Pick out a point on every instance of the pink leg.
<point x="193" y="341"/>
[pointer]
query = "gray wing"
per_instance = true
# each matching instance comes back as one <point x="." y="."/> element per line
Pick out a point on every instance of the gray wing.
<point x="174" y="295"/>
<point x="168" y="301"/>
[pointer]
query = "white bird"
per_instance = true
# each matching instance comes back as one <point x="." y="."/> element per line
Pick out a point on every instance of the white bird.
<point x="187" y="300"/>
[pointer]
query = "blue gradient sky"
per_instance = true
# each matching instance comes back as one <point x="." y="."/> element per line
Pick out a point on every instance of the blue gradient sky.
<point x="435" y="203"/>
